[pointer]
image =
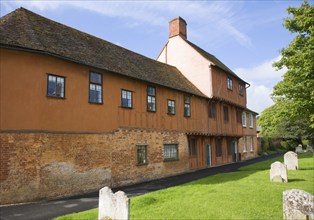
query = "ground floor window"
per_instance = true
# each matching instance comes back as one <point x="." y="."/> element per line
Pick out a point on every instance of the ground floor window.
<point x="171" y="152"/>
<point x="251" y="143"/>
<point x="141" y="154"/>
<point x="244" y="144"/>
<point x="218" y="147"/>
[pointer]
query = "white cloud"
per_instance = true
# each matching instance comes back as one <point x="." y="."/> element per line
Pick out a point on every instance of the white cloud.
<point x="258" y="97"/>
<point x="218" y="16"/>
<point x="262" y="79"/>
<point x="263" y="74"/>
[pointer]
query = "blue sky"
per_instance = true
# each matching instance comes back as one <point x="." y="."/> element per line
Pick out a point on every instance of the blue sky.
<point x="244" y="35"/>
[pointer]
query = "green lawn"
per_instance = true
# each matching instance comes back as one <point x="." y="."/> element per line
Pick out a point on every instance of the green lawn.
<point x="247" y="194"/>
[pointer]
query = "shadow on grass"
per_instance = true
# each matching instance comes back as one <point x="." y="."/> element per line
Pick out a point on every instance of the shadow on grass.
<point x="307" y="168"/>
<point x="305" y="155"/>
<point x="295" y="180"/>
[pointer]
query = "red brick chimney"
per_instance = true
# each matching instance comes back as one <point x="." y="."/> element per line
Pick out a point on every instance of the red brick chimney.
<point x="177" y="26"/>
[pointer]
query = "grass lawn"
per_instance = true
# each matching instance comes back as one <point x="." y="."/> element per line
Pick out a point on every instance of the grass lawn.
<point x="247" y="194"/>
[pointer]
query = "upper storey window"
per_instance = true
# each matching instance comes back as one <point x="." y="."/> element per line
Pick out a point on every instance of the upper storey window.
<point x="241" y="89"/>
<point x="171" y="107"/>
<point x="229" y="83"/>
<point x="251" y="120"/>
<point x="56" y="85"/>
<point x="244" y="119"/>
<point x="126" y="99"/>
<point x="212" y="110"/>
<point x="151" y="99"/>
<point x="187" y="106"/>
<point x="95" y="88"/>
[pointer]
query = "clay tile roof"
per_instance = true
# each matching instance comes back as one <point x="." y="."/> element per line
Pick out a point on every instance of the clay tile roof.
<point x="214" y="60"/>
<point x="23" y="29"/>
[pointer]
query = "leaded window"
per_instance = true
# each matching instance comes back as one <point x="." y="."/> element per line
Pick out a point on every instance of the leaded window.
<point x="244" y="144"/>
<point x="95" y="87"/>
<point x="251" y="143"/>
<point x="142" y="154"/>
<point x="244" y="119"/>
<point x="171" y="107"/>
<point x="229" y="83"/>
<point x="151" y="99"/>
<point x="251" y="120"/>
<point x="171" y="152"/>
<point x="187" y="106"/>
<point x="241" y="89"/>
<point x="56" y="86"/>
<point x="126" y="99"/>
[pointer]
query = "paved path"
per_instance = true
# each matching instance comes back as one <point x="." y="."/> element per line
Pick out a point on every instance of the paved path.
<point x="53" y="208"/>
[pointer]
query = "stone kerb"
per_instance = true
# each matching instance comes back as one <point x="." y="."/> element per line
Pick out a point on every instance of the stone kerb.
<point x="278" y="172"/>
<point x="291" y="160"/>
<point x="298" y="204"/>
<point x="113" y="205"/>
<point x="299" y="149"/>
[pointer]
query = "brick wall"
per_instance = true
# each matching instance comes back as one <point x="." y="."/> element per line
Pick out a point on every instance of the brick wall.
<point x="35" y="166"/>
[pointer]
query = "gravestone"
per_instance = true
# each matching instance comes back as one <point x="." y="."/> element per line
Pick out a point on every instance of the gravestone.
<point x="291" y="160"/>
<point x="298" y="204"/>
<point x="299" y="149"/>
<point x="278" y="172"/>
<point x="309" y="148"/>
<point x="113" y="205"/>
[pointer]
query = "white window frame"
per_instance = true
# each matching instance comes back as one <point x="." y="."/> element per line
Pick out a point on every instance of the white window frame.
<point x="251" y="120"/>
<point x="251" y="143"/>
<point x="244" y="143"/>
<point x="244" y="119"/>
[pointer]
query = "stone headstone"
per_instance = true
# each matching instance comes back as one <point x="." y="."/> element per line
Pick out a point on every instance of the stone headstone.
<point x="291" y="160"/>
<point x="113" y="205"/>
<point x="299" y="149"/>
<point x="298" y="204"/>
<point x="278" y="172"/>
<point x="309" y="148"/>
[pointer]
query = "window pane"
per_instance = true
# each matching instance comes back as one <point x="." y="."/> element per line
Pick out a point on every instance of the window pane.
<point x="151" y="91"/>
<point x="186" y="99"/>
<point x="141" y="154"/>
<point x="187" y="111"/>
<point x="51" y="88"/>
<point x="151" y="103"/>
<point x="170" y="152"/>
<point x="55" y="86"/>
<point x="171" y="107"/>
<point x="244" y="144"/>
<point x="126" y="99"/>
<point x="95" y="78"/>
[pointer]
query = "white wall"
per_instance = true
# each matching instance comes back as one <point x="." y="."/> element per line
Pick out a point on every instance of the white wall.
<point x="177" y="52"/>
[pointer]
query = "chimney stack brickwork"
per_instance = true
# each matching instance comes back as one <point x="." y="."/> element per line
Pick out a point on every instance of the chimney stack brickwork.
<point x="177" y="26"/>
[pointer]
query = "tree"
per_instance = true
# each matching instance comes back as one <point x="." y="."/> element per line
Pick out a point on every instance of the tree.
<point x="292" y="115"/>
